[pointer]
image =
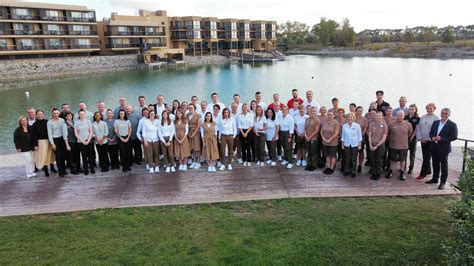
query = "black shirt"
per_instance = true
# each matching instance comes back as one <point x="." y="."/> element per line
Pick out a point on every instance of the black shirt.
<point x="39" y="130"/>
<point x="23" y="140"/>
<point x="414" y="121"/>
<point x="382" y="107"/>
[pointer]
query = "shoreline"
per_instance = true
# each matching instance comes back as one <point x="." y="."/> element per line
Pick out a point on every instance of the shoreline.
<point x="442" y="53"/>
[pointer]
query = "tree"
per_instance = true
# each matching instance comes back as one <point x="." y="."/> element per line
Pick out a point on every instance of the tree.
<point x="427" y="34"/>
<point x="447" y="36"/>
<point x="325" y="31"/>
<point x="348" y="34"/>
<point x="408" y="35"/>
<point x="293" y="32"/>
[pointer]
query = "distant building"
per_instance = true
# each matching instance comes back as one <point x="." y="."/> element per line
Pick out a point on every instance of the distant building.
<point x="38" y="29"/>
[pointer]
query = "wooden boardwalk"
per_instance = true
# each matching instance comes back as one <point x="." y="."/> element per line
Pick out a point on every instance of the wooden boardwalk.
<point x="22" y="196"/>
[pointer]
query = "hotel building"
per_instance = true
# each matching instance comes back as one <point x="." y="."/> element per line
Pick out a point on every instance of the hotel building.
<point x="38" y="29"/>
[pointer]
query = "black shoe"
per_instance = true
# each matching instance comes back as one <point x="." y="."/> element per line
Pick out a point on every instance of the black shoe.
<point x="46" y="171"/>
<point x="307" y="168"/>
<point x="36" y="170"/>
<point x="326" y="171"/>
<point x="402" y="176"/>
<point x="61" y="175"/>
<point x="347" y="173"/>
<point x="53" y="170"/>
<point x="86" y="172"/>
<point x="359" y="169"/>
<point x="138" y="162"/>
<point x="366" y="163"/>
<point x="432" y="181"/>
<point x="343" y="169"/>
<point x="389" y="174"/>
<point x="331" y="171"/>
<point x="74" y="172"/>
<point x="441" y="186"/>
<point x="353" y="175"/>
<point x="80" y="170"/>
<point x="124" y="169"/>
<point x="92" y="170"/>
<point x="105" y="170"/>
<point x="410" y="170"/>
<point x="312" y="168"/>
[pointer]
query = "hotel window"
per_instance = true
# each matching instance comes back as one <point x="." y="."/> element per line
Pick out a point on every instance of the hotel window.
<point x="52" y="14"/>
<point x="3" y="43"/>
<point x="196" y="24"/>
<point x="213" y="34"/>
<point x="247" y="35"/>
<point x="233" y="25"/>
<point x="262" y="27"/>
<point x="81" y="30"/>
<point x="150" y="30"/>
<point x="55" y="43"/>
<point x="22" y="13"/>
<point x="234" y="35"/>
<point x="53" y="29"/>
<point x="213" y="25"/>
<point x="122" y="29"/>
<point x="27" y="43"/>
<point x="82" y="43"/>
<point x="23" y="28"/>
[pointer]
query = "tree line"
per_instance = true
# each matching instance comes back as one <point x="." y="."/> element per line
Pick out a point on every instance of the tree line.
<point x="329" y="32"/>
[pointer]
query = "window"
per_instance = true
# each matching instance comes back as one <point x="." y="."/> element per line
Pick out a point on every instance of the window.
<point x="247" y="26"/>
<point x="233" y="26"/>
<point x="197" y="34"/>
<point x="82" y="43"/>
<point x="3" y="43"/>
<point x="150" y="29"/>
<point x="213" y="25"/>
<point x="262" y="27"/>
<point x="52" y="13"/>
<point x="234" y="35"/>
<point x="196" y="24"/>
<point x="21" y="12"/>
<point x="214" y="34"/>
<point x="55" y="43"/>
<point x="122" y="29"/>
<point x="79" y="29"/>
<point x="76" y="14"/>
<point x="27" y="43"/>
<point x="53" y="29"/>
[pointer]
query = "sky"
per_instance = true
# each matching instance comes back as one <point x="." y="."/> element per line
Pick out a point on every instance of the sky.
<point x="363" y="14"/>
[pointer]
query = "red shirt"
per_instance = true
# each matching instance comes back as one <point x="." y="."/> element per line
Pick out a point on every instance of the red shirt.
<point x="273" y="107"/>
<point x="292" y="101"/>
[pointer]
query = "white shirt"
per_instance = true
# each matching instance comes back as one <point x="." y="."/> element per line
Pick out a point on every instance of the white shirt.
<point x="287" y="124"/>
<point x="300" y="121"/>
<point x="239" y="107"/>
<point x="227" y="127"/>
<point x="203" y="113"/>
<point x="259" y="123"/>
<point x="31" y="121"/>
<point x="236" y="119"/>
<point x="271" y="129"/>
<point x="207" y="125"/>
<point x="140" y="128"/>
<point x="166" y="131"/>
<point x="293" y="112"/>
<point x="160" y="109"/>
<point x="440" y="126"/>
<point x="312" y="103"/>
<point x="279" y="115"/>
<point x="263" y="105"/>
<point x="150" y="130"/>
<point x="210" y="107"/>
<point x="351" y="135"/>
<point x="216" y="119"/>
<point x="245" y="121"/>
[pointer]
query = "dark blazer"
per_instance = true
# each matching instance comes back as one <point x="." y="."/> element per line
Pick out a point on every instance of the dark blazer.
<point x="448" y="134"/>
<point x="23" y="141"/>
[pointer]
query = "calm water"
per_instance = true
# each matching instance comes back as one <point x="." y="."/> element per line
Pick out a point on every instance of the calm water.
<point x="349" y="79"/>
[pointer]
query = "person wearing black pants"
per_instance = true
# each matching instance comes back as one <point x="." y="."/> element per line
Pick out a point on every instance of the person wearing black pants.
<point x="245" y="126"/>
<point x="84" y="134"/>
<point x="112" y="143"/>
<point x="135" y="143"/>
<point x="442" y="133"/>
<point x="72" y="152"/>
<point x="57" y="135"/>
<point x="123" y="129"/>
<point x="101" y="132"/>
<point x="423" y="135"/>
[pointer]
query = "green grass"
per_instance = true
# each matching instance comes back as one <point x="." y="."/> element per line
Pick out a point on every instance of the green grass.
<point x="291" y="231"/>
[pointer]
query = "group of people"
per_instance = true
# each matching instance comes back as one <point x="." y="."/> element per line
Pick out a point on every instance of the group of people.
<point x="184" y="135"/>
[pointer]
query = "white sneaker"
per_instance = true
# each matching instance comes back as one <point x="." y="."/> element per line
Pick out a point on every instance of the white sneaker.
<point x="157" y="169"/>
<point x="273" y="164"/>
<point x="219" y="164"/>
<point x="245" y="163"/>
<point x="192" y="165"/>
<point x="147" y="167"/>
<point x="298" y="163"/>
<point x="239" y="161"/>
<point x="249" y="164"/>
<point x="304" y="164"/>
<point x="258" y="163"/>
<point x="190" y="161"/>
<point x="33" y="174"/>
<point x="280" y="158"/>
<point x="151" y="170"/>
<point x="185" y="168"/>
<point x="214" y="169"/>
<point x="168" y="169"/>
<point x="209" y="169"/>
<point x="284" y="163"/>
<point x="181" y="167"/>
<point x="28" y="175"/>
<point x="262" y="164"/>
<point x="269" y="161"/>
<point x="222" y="168"/>
<point x="198" y="165"/>
<point x="229" y="167"/>
<point x="173" y="169"/>
<point x="294" y="156"/>
<point x="289" y="166"/>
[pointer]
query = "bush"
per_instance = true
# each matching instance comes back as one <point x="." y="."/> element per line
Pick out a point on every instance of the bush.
<point x="459" y="250"/>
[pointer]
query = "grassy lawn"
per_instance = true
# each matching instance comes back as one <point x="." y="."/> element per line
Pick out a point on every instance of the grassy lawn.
<point x="291" y="231"/>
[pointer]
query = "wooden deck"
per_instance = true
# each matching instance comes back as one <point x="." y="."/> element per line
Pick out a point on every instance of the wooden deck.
<point x="22" y="196"/>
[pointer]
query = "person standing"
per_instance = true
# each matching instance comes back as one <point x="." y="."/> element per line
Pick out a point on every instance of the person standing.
<point x="31" y="113"/>
<point x="399" y="133"/>
<point x="300" y="120"/>
<point x="181" y="143"/>
<point x="245" y="125"/>
<point x="160" y="105"/>
<point x="89" y="115"/>
<point x="381" y="104"/>
<point x="330" y="135"/>
<point x="237" y="145"/>
<point x="423" y="135"/>
<point x="271" y="134"/>
<point x="57" y="135"/>
<point x="287" y="128"/>
<point x="323" y="117"/>
<point x="364" y="125"/>
<point x="258" y="100"/>
<point x="141" y="104"/>
<point x="24" y="144"/>
<point x="112" y="141"/>
<point x="73" y="158"/>
<point x="414" y="119"/>
<point x="311" y="102"/>
<point x="84" y="135"/>
<point x="311" y="134"/>
<point x="403" y="107"/>
<point x="194" y="122"/>
<point x="377" y="135"/>
<point x="122" y="106"/>
<point x="137" y="155"/>
<point x="442" y="133"/>
<point x="166" y="134"/>
<point x="209" y="142"/>
<point x="151" y="142"/>
<point x="101" y="133"/>
<point x="276" y="102"/>
<point x="294" y="100"/>
<point x="123" y="131"/>
<point x="227" y="129"/>
<point x="351" y="138"/>
<point x="260" y="127"/>
<point x="214" y="101"/>
<point x="44" y="154"/>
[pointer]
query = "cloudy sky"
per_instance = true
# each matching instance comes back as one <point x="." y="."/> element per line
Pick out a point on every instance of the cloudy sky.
<point x="363" y="14"/>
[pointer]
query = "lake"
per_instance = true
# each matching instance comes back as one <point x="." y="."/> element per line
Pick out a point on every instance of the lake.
<point x="448" y="83"/>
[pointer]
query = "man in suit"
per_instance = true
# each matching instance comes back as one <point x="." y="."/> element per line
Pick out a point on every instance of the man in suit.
<point x="442" y="133"/>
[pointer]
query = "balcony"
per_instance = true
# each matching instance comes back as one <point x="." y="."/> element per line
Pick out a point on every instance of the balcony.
<point x="46" y="32"/>
<point x="84" y="46"/>
<point x="48" y="18"/>
<point x="88" y="32"/>
<point x="7" y="47"/>
<point x="123" y="45"/>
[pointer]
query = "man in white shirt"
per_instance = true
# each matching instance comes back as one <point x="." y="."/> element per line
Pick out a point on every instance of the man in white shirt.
<point x="351" y="138"/>
<point x="237" y="101"/>
<point x="403" y="106"/>
<point x="31" y="116"/>
<point x="141" y="105"/>
<point x="258" y="99"/>
<point x="309" y="101"/>
<point x="214" y="101"/>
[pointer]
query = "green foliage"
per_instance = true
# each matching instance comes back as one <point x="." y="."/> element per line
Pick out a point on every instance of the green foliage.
<point x="447" y="36"/>
<point x="292" y="32"/>
<point x="362" y="231"/>
<point x="408" y="35"/>
<point x="325" y="31"/>
<point x="459" y="250"/>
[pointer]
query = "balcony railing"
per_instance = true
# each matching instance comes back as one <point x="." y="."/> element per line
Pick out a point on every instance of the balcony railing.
<point x="7" y="47"/>
<point x="48" y="18"/>
<point x="123" y="45"/>
<point x="84" y="46"/>
<point x="36" y="46"/>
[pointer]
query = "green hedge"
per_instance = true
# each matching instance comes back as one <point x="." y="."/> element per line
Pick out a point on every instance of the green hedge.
<point x="459" y="250"/>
